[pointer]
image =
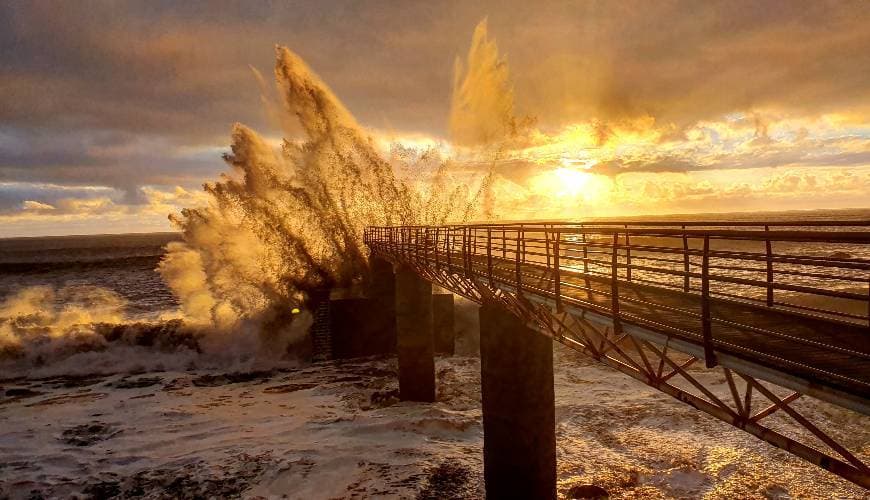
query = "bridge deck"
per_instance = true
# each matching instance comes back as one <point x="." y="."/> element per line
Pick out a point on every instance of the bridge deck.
<point x="726" y="289"/>
<point x="827" y="352"/>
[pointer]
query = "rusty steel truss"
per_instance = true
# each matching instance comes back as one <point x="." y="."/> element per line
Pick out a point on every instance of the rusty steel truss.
<point x="781" y="311"/>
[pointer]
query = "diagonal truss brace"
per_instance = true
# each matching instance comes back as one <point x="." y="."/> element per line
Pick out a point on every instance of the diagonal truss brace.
<point x="661" y="367"/>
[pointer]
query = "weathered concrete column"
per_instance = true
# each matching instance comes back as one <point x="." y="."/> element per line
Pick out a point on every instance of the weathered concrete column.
<point x="442" y="321"/>
<point x="519" y="418"/>
<point x="414" y="335"/>
<point x="382" y="292"/>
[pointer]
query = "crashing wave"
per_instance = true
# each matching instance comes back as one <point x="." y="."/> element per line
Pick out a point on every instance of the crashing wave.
<point x="289" y="220"/>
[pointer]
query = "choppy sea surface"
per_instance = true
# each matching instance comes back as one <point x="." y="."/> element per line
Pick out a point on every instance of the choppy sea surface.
<point x="122" y="263"/>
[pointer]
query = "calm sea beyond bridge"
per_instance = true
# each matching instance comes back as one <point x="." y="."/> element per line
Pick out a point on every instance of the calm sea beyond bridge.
<point x="780" y="311"/>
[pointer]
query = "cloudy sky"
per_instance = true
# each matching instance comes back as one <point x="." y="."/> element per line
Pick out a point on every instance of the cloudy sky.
<point x="112" y="114"/>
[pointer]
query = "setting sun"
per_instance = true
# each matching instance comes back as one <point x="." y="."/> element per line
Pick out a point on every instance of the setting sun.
<point x="571" y="182"/>
<point x="565" y="186"/>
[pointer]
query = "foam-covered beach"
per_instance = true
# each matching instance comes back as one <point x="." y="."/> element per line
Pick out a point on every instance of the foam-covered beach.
<point x="337" y="430"/>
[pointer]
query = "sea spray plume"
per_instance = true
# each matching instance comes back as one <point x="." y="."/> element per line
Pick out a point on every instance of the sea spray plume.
<point x="483" y="122"/>
<point x="482" y="107"/>
<point x="289" y="221"/>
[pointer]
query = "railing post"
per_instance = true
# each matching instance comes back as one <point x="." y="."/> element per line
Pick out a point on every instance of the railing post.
<point x="557" y="278"/>
<point x="447" y="250"/>
<point x="627" y="255"/>
<point x="489" y="255"/>
<point x="585" y="260"/>
<point x="614" y="285"/>
<point x="437" y="262"/>
<point x="706" y="320"/>
<point x="685" y="260"/>
<point x="547" y="245"/>
<point x="523" y="238"/>
<point x="426" y="246"/>
<point x="472" y="249"/>
<point x="769" y="252"/>
<point x="503" y="244"/>
<point x="466" y="255"/>
<point x="518" y="265"/>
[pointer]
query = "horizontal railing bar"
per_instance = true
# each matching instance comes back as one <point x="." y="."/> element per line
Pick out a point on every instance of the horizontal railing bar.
<point x="676" y="223"/>
<point x="549" y="225"/>
<point x="737" y="234"/>
<point x="821" y="260"/>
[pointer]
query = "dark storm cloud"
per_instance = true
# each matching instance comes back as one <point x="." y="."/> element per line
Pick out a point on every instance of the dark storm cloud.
<point x="171" y="75"/>
<point x="184" y="68"/>
<point x="119" y="159"/>
<point x="181" y="72"/>
<point x="14" y="197"/>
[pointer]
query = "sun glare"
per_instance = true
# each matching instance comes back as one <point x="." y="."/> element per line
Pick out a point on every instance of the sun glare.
<point x="569" y="184"/>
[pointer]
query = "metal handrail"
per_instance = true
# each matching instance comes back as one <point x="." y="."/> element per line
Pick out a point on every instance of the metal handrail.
<point x="676" y="223"/>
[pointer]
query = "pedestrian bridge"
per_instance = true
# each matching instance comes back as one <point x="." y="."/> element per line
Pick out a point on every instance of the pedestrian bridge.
<point x="781" y="310"/>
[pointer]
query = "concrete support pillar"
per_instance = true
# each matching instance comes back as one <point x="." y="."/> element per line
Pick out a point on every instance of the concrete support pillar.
<point x="382" y="292"/>
<point x="443" y="328"/>
<point x="414" y="332"/>
<point x="519" y="419"/>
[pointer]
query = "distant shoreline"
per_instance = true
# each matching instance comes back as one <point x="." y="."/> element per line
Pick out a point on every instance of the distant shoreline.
<point x="92" y="235"/>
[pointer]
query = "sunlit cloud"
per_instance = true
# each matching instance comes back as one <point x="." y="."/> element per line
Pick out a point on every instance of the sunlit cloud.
<point x="89" y="207"/>
<point x="35" y="206"/>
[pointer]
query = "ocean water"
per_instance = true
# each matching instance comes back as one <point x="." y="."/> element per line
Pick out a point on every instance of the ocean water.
<point x="848" y="271"/>
<point x="124" y="264"/>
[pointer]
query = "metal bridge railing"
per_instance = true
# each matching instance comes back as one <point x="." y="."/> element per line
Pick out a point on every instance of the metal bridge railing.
<point x="819" y="270"/>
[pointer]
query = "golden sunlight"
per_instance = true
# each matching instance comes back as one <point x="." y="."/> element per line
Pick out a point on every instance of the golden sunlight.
<point x="570" y="183"/>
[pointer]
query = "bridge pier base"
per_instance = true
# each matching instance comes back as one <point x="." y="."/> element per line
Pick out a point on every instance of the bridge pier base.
<point x="443" y="323"/>
<point x="414" y="337"/>
<point x="382" y="292"/>
<point x="519" y="420"/>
